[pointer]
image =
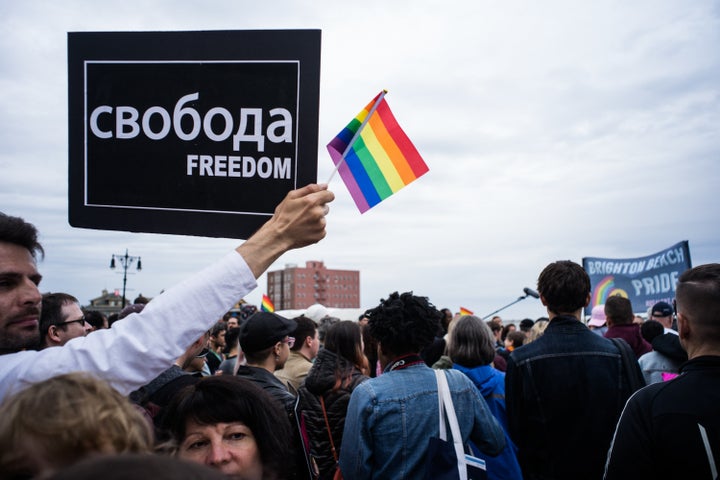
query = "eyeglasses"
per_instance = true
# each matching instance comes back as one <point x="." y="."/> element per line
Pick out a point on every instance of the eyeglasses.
<point x="80" y="320"/>
<point x="290" y="341"/>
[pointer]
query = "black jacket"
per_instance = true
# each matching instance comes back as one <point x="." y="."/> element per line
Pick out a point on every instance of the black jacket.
<point x="564" y="393"/>
<point x="671" y="430"/>
<point x="320" y="382"/>
<point x="270" y="383"/>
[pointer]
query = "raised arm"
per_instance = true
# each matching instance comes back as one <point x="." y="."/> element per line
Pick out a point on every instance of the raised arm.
<point x="298" y="221"/>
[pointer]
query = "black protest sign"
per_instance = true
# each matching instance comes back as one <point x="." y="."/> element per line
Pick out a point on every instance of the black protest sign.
<point x="196" y="133"/>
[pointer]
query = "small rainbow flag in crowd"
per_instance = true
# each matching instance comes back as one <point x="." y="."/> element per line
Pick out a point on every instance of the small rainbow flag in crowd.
<point x="465" y="311"/>
<point x="374" y="156"/>
<point x="267" y="304"/>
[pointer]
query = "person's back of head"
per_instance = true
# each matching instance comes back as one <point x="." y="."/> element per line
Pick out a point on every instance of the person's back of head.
<point x="232" y="340"/>
<point x="516" y="338"/>
<point x="324" y="325"/>
<point x="471" y="343"/>
<point x="141" y="466"/>
<point x="404" y="323"/>
<point x="81" y="416"/>
<point x="344" y="339"/>
<point x="141" y="299"/>
<point x="564" y="287"/>
<point x="651" y="329"/>
<point x="97" y="320"/>
<point x="526" y="324"/>
<point x="618" y="310"/>
<point x="698" y="303"/>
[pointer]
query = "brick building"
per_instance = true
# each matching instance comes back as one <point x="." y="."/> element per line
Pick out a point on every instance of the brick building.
<point x="297" y="287"/>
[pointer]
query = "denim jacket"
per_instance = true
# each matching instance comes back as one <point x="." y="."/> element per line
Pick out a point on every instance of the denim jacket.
<point x="564" y="393"/>
<point x="390" y="419"/>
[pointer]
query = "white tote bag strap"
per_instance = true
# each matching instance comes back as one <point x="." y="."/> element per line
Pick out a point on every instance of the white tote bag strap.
<point x="446" y="408"/>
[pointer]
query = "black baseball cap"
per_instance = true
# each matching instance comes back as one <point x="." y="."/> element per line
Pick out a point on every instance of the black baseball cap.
<point x="263" y="330"/>
<point x="661" y="309"/>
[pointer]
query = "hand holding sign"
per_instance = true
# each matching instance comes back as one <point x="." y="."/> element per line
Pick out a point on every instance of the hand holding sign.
<point x="299" y="220"/>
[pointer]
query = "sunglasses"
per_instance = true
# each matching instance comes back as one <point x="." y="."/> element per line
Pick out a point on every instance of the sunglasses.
<point x="290" y="341"/>
<point x="80" y="320"/>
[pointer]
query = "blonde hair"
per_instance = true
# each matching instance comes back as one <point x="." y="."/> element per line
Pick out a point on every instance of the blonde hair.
<point x="536" y="331"/>
<point x="62" y="420"/>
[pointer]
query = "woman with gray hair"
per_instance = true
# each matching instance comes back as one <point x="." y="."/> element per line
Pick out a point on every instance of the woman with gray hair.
<point x="471" y="347"/>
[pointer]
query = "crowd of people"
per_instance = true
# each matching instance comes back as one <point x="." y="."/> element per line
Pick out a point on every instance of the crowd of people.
<point x="180" y="387"/>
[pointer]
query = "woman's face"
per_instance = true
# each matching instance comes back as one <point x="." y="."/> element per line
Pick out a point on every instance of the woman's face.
<point x="228" y="447"/>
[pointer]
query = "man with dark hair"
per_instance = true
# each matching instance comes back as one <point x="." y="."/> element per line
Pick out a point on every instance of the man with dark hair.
<point x="266" y="342"/>
<point x="391" y="417"/>
<point x="619" y="317"/>
<point x="61" y="320"/>
<point x="564" y="391"/>
<point x="20" y="299"/>
<point x="144" y="344"/>
<point x="302" y="354"/>
<point x="215" y="345"/>
<point x="672" y="429"/>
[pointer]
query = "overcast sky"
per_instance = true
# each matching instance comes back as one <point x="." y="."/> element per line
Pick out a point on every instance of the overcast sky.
<point x="553" y="130"/>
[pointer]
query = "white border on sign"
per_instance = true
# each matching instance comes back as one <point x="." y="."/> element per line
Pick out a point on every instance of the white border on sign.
<point x="135" y="207"/>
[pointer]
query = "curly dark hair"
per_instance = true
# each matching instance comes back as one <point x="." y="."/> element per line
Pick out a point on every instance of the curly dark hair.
<point x="404" y="323"/>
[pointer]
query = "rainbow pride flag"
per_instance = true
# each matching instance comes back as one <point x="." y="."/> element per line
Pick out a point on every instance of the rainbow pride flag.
<point x="465" y="311"/>
<point x="374" y="156"/>
<point x="267" y="304"/>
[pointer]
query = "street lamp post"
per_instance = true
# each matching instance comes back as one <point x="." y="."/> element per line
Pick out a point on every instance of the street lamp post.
<point x="126" y="261"/>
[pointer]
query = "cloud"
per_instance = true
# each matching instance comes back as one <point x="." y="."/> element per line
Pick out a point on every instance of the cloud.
<point x="553" y="130"/>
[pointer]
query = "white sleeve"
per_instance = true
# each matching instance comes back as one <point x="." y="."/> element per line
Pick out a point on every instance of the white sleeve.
<point x="139" y="347"/>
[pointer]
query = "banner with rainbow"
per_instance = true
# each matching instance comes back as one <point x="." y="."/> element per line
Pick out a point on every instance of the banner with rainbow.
<point x="643" y="280"/>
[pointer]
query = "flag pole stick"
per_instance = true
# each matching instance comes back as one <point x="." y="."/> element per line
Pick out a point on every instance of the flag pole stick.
<point x="357" y="133"/>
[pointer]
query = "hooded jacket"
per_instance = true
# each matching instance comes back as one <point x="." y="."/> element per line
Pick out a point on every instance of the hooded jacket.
<point x="491" y="384"/>
<point x="666" y="357"/>
<point x="320" y="382"/>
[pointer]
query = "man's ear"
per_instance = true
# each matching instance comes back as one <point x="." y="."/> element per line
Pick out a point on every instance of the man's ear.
<point x="53" y="333"/>
<point x="684" y="328"/>
<point x="542" y="300"/>
<point x="587" y="300"/>
<point x="308" y="341"/>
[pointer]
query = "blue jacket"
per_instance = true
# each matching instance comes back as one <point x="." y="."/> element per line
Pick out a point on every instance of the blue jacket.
<point x="491" y="384"/>
<point x="390" y="419"/>
<point x="564" y="394"/>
